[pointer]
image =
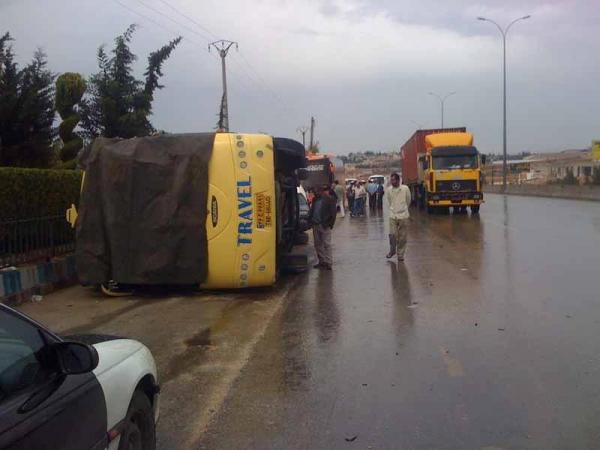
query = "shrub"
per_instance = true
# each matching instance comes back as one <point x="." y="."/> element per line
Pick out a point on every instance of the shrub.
<point x="30" y="193"/>
<point x="596" y="175"/>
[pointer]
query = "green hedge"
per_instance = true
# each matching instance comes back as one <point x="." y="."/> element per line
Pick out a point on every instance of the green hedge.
<point x="29" y="193"/>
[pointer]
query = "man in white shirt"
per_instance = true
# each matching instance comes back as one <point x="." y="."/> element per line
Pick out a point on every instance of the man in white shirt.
<point x="398" y="199"/>
<point x="360" y="197"/>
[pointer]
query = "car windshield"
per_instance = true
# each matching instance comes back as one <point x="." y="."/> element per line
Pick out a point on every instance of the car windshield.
<point x="455" y="162"/>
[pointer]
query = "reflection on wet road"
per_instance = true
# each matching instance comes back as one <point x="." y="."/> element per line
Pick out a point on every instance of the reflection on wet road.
<point x="487" y="337"/>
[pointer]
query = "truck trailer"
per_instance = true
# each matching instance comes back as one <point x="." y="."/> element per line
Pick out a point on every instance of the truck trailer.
<point x="442" y="168"/>
<point x="213" y="210"/>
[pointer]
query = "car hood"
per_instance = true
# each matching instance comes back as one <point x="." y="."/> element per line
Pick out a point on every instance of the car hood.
<point x="115" y="351"/>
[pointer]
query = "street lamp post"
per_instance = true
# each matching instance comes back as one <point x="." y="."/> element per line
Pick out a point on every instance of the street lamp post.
<point x="503" y="32"/>
<point x="442" y="100"/>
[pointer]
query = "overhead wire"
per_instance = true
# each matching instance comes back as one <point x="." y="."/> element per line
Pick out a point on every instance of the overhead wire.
<point x="254" y="78"/>
<point x="186" y="38"/>
<point x="199" y="25"/>
<point x="191" y="30"/>
<point x="252" y="74"/>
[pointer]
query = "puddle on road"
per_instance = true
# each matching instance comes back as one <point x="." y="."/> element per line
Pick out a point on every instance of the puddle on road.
<point x="195" y="348"/>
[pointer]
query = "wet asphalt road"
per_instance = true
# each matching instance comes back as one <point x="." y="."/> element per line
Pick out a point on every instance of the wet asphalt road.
<point x="487" y="337"/>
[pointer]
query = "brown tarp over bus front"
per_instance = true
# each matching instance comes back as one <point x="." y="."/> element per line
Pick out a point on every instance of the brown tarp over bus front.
<point x="142" y="214"/>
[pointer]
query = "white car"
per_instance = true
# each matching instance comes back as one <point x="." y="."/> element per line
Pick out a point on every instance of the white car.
<point x="82" y="392"/>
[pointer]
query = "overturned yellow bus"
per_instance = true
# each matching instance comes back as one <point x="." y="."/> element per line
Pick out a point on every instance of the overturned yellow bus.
<point x="216" y="210"/>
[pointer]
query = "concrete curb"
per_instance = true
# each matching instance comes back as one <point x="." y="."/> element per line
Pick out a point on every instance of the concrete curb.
<point x="588" y="193"/>
<point x="19" y="284"/>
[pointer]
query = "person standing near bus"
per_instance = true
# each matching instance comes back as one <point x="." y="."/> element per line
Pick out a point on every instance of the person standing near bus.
<point x="322" y="217"/>
<point x="398" y="200"/>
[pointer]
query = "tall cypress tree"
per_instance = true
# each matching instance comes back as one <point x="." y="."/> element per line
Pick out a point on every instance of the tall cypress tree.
<point x="118" y="104"/>
<point x="26" y="109"/>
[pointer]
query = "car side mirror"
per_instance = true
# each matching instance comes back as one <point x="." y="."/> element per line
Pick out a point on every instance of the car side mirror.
<point x="75" y="357"/>
<point x="483" y="159"/>
<point x="302" y="173"/>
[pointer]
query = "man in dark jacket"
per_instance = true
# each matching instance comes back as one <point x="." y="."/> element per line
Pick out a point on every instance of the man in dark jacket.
<point x="322" y="216"/>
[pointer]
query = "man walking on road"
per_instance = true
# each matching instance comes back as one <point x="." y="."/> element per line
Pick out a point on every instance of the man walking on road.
<point x="341" y="197"/>
<point x="322" y="216"/>
<point x="398" y="199"/>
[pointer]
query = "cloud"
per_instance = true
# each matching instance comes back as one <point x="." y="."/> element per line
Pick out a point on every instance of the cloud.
<point x="362" y="67"/>
<point x="337" y="44"/>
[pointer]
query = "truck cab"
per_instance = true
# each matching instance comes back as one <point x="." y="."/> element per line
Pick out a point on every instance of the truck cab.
<point x="449" y="173"/>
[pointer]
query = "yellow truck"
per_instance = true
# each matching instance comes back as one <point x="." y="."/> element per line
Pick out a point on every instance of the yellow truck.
<point x="443" y="169"/>
<point x="216" y="210"/>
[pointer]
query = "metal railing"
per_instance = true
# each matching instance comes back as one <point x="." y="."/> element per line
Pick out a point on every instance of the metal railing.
<point x="29" y="240"/>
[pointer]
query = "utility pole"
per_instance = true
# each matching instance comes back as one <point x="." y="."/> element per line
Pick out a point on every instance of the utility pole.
<point x="442" y="100"/>
<point x="312" y="133"/>
<point x="223" y="47"/>
<point x="302" y="130"/>
<point x="503" y="32"/>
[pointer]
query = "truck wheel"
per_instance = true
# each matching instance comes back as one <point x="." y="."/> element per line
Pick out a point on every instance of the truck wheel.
<point x="430" y="209"/>
<point x="421" y="202"/>
<point x="475" y="209"/>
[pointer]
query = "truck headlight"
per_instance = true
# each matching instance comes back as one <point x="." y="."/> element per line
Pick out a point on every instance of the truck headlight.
<point x="435" y="197"/>
<point x="476" y="196"/>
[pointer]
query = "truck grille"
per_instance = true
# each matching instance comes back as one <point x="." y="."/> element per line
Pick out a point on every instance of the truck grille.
<point x="456" y="185"/>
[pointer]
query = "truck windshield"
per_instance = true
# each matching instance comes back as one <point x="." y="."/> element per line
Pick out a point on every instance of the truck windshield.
<point x="455" y="162"/>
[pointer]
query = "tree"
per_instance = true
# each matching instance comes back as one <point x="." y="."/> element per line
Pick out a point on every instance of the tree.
<point x="118" y="104"/>
<point x="70" y="88"/>
<point x="314" y="149"/>
<point x="26" y="109"/>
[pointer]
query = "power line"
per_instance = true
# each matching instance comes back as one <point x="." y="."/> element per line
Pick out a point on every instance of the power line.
<point x="261" y="84"/>
<point x="188" y="18"/>
<point x="158" y="24"/>
<point x="170" y="31"/>
<point x="202" y="35"/>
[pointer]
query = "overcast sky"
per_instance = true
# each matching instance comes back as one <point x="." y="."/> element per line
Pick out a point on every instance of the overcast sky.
<point x="362" y="68"/>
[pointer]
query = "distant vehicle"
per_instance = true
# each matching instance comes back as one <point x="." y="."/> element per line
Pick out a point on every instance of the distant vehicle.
<point x="348" y="181"/>
<point x="320" y="171"/>
<point x="73" y="393"/>
<point x="443" y="169"/>
<point x="377" y="179"/>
